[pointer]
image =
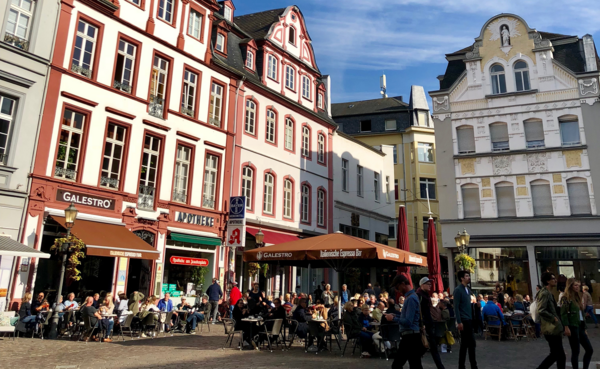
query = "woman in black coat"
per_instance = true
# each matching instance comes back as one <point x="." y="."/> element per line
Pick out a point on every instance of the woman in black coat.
<point x="240" y="311"/>
<point x="302" y="315"/>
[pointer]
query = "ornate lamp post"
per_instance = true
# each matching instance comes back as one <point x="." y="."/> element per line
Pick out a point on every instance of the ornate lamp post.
<point x="462" y="241"/>
<point x="70" y="216"/>
<point x="259" y="238"/>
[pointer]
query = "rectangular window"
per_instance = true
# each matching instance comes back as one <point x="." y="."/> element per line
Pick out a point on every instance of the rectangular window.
<point x="390" y="125"/>
<point x="359" y="180"/>
<point x="423" y="118"/>
<point x="354" y="231"/>
<point x="392" y="230"/>
<point x="396" y="189"/>
<point x="112" y="161"/>
<point x="321" y="208"/>
<point x="505" y="199"/>
<point x="387" y="189"/>
<point x="579" y="197"/>
<point x="289" y="135"/>
<point x="182" y="172"/>
<point x="7" y="114"/>
<point x="499" y="137"/>
<point x="320" y="101"/>
<point x="268" y="194"/>
<point x="220" y="46"/>
<point x="69" y="145"/>
<point x="569" y="133"/>
<point x="427" y="185"/>
<point x="305" y="204"/>
<point x="305" y="141"/>
<point x="270" y="129"/>
<point x="247" y="185"/>
<point x="227" y="13"/>
<point x="165" y="10"/>
<point x="426" y="227"/>
<point x="250" y="60"/>
<point x="466" y="140"/>
<point x="125" y="66"/>
<point x="18" y="24"/>
<point x="345" y="175"/>
<point x="290" y="75"/>
<point x="534" y="134"/>
<point x="158" y="87"/>
<point x="216" y="104"/>
<point x="306" y="87"/>
<point x="85" y="49"/>
<point x="471" y="204"/>
<point x="287" y="199"/>
<point x="425" y="152"/>
<point x="250" y="124"/>
<point x="395" y="154"/>
<point x="195" y="24"/>
<point x="365" y="126"/>
<point x="376" y="188"/>
<point x="272" y="67"/>
<point x="149" y="172"/>
<point x="188" y="98"/>
<point x="541" y="197"/>
<point x="321" y="149"/>
<point x="211" y="171"/>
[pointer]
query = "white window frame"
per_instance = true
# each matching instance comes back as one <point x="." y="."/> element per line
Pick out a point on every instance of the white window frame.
<point x="77" y="64"/>
<point x="250" y="123"/>
<point x="290" y="78"/>
<point x="289" y="134"/>
<point x="321" y="148"/>
<point x="10" y="118"/>
<point x="227" y="13"/>
<point x="195" y="24"/>
<point x="269" y="189"/>
<point x="62" y="170"/>
<point x="387" y="189"/>
<point x="389" y="127"/>
<point x="427" y="182"/>
<point x="522" y="74"/>
<point x="247" y="183"/>
<point x="495" y="76"/>
<point x="220" y="44"/>
<point x="305" y="204"/>
<point x="320" y="100"/>
<point x="123" y="83"/>
<point x="181" y="173"/>
<point x="306" y="87"/>
<point x="305" y="141"/>
<point x="216" y="104"/>
<point x="108" y="173"/>
<point x="270" y="126"/>
<point x="287" y="198"/>
<point x="158" y="86"/>
<point x="376" y="185"/>
<point x="345" y="175"/>
<point x="20" y="13"/>
<point x="395" y="153"/>
<point x="190" y="86"/>
<point x="359" y="181"/>
<point x="567" y="122"/>
<point x="163" y="7"/>
<point x="147" y="196"/>
<point x="250" y="60"/>
<point x="321" y="208"/>
<point x="422" y="147"/>
<point x="272" y="67"/>
<point x="211" y="172"/>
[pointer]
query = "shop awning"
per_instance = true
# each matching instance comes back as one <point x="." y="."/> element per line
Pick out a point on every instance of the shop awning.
<point x="273" y="238"/>
<point x="110" y="240"/>
<point x="209" y="241"/>
<point x="10" y="247"/>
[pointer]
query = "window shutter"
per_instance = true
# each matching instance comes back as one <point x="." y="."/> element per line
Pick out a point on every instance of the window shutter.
<point x="579" y="198"/>
<point x="534" y="131"/>
<point x="466" y="140"/>
<point x="505" y="198"/>
<point x="542" y="199"/>
<point x="499" y="132"/>
<point x="471" y="206"/>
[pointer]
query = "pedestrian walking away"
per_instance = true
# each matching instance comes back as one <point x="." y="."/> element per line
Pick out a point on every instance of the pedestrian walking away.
<point x="551" y="325"/>
<point x="425" y="303"/>
<point x="411" y="347"/>
<point x="214" y="293"/>
<point x="573" y="319"/>
<point x="464" y="320"/>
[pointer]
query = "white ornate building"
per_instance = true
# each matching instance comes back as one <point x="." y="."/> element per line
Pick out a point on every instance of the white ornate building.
<point x="514" y="119"/>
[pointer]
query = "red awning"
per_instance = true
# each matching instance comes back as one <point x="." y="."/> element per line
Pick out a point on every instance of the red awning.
<point x="273" y="238"/>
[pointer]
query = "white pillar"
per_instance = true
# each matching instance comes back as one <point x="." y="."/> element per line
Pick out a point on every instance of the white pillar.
<point x="533" y="270"/>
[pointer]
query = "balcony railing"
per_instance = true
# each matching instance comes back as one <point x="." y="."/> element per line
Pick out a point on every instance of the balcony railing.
<point x="215" y="122"/>
<point x="122" y="86"/>
<point x="17" y="41"/>
<point x="81" y="70"/>
<point x="208" y="202"/>
<point x="500" y="146"/>
<point x="538" y="144"/>
<point x="109" y="182"/>
<point x="180" y="196"/>
<point x="187" y="111"/>
<point x="146" y="198"/>
<point x="65" y="173"/>
<point x="156" y="106"/>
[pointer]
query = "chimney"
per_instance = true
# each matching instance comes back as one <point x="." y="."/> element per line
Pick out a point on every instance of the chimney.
<point x="590" y="53"/>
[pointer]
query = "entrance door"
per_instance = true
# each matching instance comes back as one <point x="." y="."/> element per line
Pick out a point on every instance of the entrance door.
<point x="139" y="276"/>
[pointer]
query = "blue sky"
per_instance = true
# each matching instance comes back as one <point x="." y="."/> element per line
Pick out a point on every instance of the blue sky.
<point x="355" y="41"/>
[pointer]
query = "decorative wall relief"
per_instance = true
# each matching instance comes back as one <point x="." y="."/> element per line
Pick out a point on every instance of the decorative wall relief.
<point x="548" y="113"/>
<point x="521" y="191"/>
<point x="440" y="104"/>
<point x="573" y="158"/>
<point x="559" y="189"/>
<point x="521" y="181"/>
<point x="467" y="166"/>
<point x="513" y="116"/>
<point x="557" y="178"/>
<point x="537" y="162"/>
<point x="485" y="182"/>
<point x="486" y="192"/>
<point x="502" y="164"/>
<point x="514" y="127"/>
<point x="480" y="130"/>
<point x="588" y="86"/>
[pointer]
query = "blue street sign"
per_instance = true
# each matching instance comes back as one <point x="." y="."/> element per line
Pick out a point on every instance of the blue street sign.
<point x="237" y="207"/>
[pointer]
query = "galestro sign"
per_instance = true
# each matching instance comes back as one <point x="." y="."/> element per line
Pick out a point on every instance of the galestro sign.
<point x="269" y="255"/>
<point x="85" y="199"/>
<point x="181" y="260"/>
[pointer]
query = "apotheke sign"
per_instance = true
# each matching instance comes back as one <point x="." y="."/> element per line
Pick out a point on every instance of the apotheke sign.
<point x="197" y="219"/>
<point x="85" y="199"/>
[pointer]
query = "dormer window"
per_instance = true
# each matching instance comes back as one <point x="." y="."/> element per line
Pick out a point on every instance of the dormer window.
<point x="249" y="60"/>
<point x="227" y="13"/>
<point x="292" y="36"/>
<point x="522" y="76"/>
<point x="220" y="46"/>
<point x="498" y="80"/>
<point x="320" y="101"/>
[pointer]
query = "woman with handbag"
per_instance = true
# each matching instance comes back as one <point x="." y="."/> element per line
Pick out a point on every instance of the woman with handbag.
<point x="572" y="316"/>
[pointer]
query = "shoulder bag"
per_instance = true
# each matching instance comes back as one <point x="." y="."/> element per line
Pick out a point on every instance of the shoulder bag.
<point x="424" y="339"/>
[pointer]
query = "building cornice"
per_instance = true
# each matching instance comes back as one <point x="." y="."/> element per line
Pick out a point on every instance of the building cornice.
<point x="521" y="152"/>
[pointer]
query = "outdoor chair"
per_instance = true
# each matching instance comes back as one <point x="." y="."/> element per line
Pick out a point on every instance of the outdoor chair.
<point x="44" y="324"/>
<point x="205" y="322"/>
<point x="292" y="327"/>
<point x="349" y="338"/>
<point x="390" y="333"/>
<point x="529" y="327"/>
<point x="517" y="326"/>
<point x="229" y="325"/>
<point x="333" y="332"/>
<point x="275" y="332"/>
<point x="8" y="323"/>
<point x="493" y="330"/>
<point x="165" y="322"/>
<point x="314" y="330"/>
<point x="148" y="324"/>
<point x="87" y="330"/>
<point x="126" y="325"/>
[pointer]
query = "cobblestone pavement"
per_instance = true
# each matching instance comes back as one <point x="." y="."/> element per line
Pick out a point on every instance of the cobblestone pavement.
<point x="181" y="351"/>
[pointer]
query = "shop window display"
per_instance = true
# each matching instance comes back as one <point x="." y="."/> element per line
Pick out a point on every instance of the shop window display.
<point x="507" y="266"/>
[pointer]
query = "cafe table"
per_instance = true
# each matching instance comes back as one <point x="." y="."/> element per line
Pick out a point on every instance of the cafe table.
<point x="253" y="321"/>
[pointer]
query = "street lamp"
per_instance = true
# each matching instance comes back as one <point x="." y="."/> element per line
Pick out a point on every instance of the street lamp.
<point x="259" y="238"/>
<point x="70" y="216"/>
<point x="462" y="241"/>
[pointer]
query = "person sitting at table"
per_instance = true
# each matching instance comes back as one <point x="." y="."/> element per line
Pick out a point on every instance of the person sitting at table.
<point x="287" y="303"/>
<point x="401" y="302"/>
<point x="133" y="304"/>
<point x="378" y="311"/>
<point x="240" y="312"/>
<point x="96" y="303"/>
<point x="354" y="328"/>
<point x="518" y="304"/>
<point x="196" y="314"/>
<point x="25" y="315"/>
<point x="527" y="302"/>
<point x="491" y="309"/>
<point x="122" y="303"/>
<point x="366" y="334"/>
<point x="107" y="307"/>
<point x="302" y="316"/>
<point x="270" y="302"/>
<point x="391" y="307"/>
<point x="319" y="313"/>
<point x="40" y="304"/>
<point x="333" y="309"/>
<point x="255" y="293"/>
<point x="166" y="306"/>
<point x="204" y="306"/>
<point x="94" y="316"/>
<point x="372" y="302"/>
<point x="149" y="307"/>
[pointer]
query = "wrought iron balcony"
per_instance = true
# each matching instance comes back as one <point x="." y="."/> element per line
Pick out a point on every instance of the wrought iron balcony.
<point x="180" y="196"/>
<point x="156" y="106"/>
<point x="17" y="41"/>
<point x="109" y="182"/>
<point x="208" y="202"/>
<point x="122" y="86"/>
<point x="187" y="111"/>
<point x="146" y="198"/>
<point x="215" y="122"/>
<point x="65" y="173"/>
<point x="81" y="70"/>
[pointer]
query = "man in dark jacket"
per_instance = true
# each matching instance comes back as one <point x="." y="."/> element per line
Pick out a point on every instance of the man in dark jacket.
<point x="214" y="293"/>
<point x="464" y="320"/>
<point x="423" y="293"/>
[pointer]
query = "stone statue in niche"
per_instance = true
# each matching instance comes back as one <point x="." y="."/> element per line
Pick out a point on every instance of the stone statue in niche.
<point x="505" y="35"/>
<point x="504" y="29"/>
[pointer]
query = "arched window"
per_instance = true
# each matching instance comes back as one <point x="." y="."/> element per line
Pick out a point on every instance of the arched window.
<point x="541" y="196"/>
<point x="305" y="204"/>
<point x="268" y="195"/>
<point x="287" y="198"/>
<point x="289" y="134"/>
<point x="292" y="36"/>
<point x="499" y="136"/>
<point x="521" y="76"/>
<point x="534" y="133"/>
<point x="321" y="149"/>
<point x="250" y="117"/>
<point x="321" y="208"/>
<point x="470" y="199"/>
<point x="498" y="79"/>
<point x="305" y="141"/>
<point x="270" y="126"/>
<point x="569" y="130"/>
<point x="505" y="199"/>
<point x="247" y="183"/>
<point x="466" y="139"/>
<point x="579" y="196"/>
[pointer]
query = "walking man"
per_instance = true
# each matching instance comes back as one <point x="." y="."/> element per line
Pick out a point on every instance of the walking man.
<point x="411" y="348"/>
<point x="423" y="293"/>
<point x="464" y="320"/>
<point x="214" y="293"/>
<point x="552" y="327"/>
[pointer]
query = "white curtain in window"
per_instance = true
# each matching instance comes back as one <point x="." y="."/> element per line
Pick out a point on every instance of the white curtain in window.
<point x="499" y="132"/>
<point x="471" y="206"/>
<point x="505" y="198"/>
<point x="569" y="133"/>
<point x="579" y="198"/>
<point x="542" y="199"/>
<point x="466" y="139"/>
<point x="534" y="130"/>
